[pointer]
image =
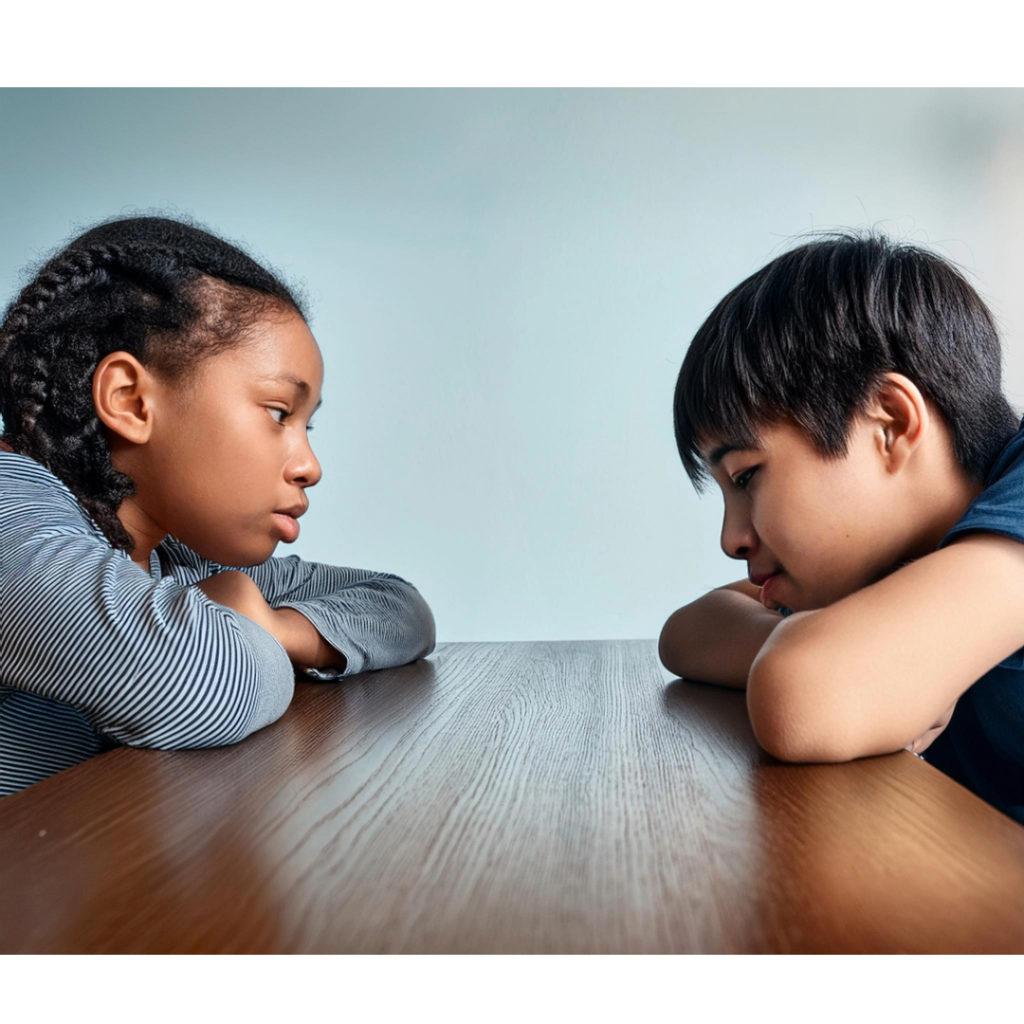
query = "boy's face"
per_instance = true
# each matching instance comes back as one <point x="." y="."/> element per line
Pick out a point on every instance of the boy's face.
<point x="825" y="527"/>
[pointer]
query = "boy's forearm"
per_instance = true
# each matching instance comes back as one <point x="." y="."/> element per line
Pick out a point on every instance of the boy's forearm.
<point x="716" y="638"/>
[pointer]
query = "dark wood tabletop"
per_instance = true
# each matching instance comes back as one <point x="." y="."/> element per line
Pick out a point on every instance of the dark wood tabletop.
<point x="506" y="798"/>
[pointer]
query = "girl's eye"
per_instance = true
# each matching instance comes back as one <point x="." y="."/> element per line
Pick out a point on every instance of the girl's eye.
<point x="284" y="415"/>
<point x="743" y="479"/>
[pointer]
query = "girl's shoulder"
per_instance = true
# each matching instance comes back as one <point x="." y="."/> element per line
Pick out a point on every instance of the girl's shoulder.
<point x="32" y="495"/>
<point x="185" y="564"/>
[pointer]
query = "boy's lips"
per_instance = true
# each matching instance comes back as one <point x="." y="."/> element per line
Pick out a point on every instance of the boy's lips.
<point x="768" y="588"/>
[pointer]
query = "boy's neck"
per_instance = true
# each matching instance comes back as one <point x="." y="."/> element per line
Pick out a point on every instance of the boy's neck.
<point x="945" y="508"/>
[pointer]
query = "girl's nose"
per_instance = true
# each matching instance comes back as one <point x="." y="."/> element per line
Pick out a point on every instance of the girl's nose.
<point x="308" y="471"/>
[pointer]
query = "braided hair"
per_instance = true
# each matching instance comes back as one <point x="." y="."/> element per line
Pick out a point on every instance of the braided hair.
<point x="163" y="290"/>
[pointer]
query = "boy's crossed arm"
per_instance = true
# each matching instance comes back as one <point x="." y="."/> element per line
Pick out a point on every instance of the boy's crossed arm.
<point x="878" y="668"/>
<point x="716" y="638"/>
<point x="875" y="672"/>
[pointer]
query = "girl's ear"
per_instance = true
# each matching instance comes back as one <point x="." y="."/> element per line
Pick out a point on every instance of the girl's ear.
<point x="123" y="396"/>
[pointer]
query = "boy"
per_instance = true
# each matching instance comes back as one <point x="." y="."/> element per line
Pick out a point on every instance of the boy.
<point x="847" y="400"/>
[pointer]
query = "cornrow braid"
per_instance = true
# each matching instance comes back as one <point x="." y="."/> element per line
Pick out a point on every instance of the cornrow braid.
<point x="167" y="292"/>
<point x="68" y="272"/>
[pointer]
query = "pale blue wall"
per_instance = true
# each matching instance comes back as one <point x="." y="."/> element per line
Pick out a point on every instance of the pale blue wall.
<point x="503" y="284"/>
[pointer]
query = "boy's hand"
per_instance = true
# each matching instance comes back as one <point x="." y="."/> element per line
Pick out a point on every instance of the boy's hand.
<point x="924" y="741"/>
<point x="772" y="606"/>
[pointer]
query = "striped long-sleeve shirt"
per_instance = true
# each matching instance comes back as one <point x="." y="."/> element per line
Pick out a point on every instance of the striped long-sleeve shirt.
<point x="95" y="652"/>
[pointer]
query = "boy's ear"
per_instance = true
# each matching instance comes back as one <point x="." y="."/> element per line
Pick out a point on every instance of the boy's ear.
<point x="899" y="417"/>
<point x="122" y="394"/>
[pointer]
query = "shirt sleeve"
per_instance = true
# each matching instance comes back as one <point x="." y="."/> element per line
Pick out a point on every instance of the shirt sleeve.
<point x="375" y="619"/>
<point x="1000" y="506"/>
<point x="149" y="663"/>
<point x="999" y="509"/>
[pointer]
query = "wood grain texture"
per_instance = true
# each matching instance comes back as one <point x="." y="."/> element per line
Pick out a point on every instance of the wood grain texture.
<point x="513" y="798"/>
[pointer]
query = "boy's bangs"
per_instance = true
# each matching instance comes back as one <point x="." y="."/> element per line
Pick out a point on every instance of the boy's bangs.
<point x="718" y="399"/>
<point x="810" y="337"/>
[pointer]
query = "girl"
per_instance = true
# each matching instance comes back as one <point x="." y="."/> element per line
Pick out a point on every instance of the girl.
<point x="156" y="386"/>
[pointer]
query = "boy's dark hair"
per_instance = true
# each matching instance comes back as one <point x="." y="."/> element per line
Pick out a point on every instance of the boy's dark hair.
<point x="163" y="290"/>
<point x="809" y="336"/>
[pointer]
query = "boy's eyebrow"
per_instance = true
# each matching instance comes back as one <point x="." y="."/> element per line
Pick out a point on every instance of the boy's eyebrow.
<point x="722" y="450"/>
<point x="290" y="378"/>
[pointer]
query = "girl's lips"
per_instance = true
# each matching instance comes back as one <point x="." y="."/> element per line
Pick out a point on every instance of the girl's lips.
<point x="287" y="526"/>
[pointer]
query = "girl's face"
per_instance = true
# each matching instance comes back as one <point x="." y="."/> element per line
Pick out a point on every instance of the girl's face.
<point x="221" y="458"/>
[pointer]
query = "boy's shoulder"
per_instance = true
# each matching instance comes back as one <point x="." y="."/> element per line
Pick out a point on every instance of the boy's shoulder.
<point x="999" y="508"/>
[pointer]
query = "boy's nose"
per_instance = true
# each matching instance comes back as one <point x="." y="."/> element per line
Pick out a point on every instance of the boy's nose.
<point x="738" y="538"/>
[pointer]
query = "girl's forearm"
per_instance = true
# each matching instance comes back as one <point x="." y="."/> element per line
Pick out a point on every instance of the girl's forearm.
<point x="716" y="638"/>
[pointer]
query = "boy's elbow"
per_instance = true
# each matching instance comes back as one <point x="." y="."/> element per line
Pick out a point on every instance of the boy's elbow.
<point x="663" y="650"/>
<point x="794" y="716"/>
<point x="667" y="646"/>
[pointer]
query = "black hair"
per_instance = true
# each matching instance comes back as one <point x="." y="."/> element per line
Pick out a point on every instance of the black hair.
<point x="167" y="292"/>
<point x="809" y="337"/>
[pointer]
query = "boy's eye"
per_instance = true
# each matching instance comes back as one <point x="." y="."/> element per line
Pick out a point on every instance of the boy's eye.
<point x="743" y="478"/>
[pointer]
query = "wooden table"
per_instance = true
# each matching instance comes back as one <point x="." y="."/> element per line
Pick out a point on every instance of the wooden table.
<point x="506" y="797"/>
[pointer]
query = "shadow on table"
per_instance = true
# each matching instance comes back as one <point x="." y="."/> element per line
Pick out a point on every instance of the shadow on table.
<point x="716" y="711"/>
<point x="875" y="855"/>
<point x="237" y="826"/>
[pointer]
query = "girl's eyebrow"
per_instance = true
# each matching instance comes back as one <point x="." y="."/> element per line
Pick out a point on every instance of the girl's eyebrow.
<point x="298" y="382"/>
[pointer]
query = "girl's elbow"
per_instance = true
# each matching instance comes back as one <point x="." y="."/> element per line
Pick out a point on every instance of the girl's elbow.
<point x="427" y="632"/>
<point x="421" y="627"/>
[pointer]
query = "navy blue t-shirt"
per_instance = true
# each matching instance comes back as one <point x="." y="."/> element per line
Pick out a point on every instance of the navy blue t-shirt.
<point x="983" y="745"/>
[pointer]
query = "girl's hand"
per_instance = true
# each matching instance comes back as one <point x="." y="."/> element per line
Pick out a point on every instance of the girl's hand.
<point x="236" y="590"/>
<point x="292" y="630"/>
